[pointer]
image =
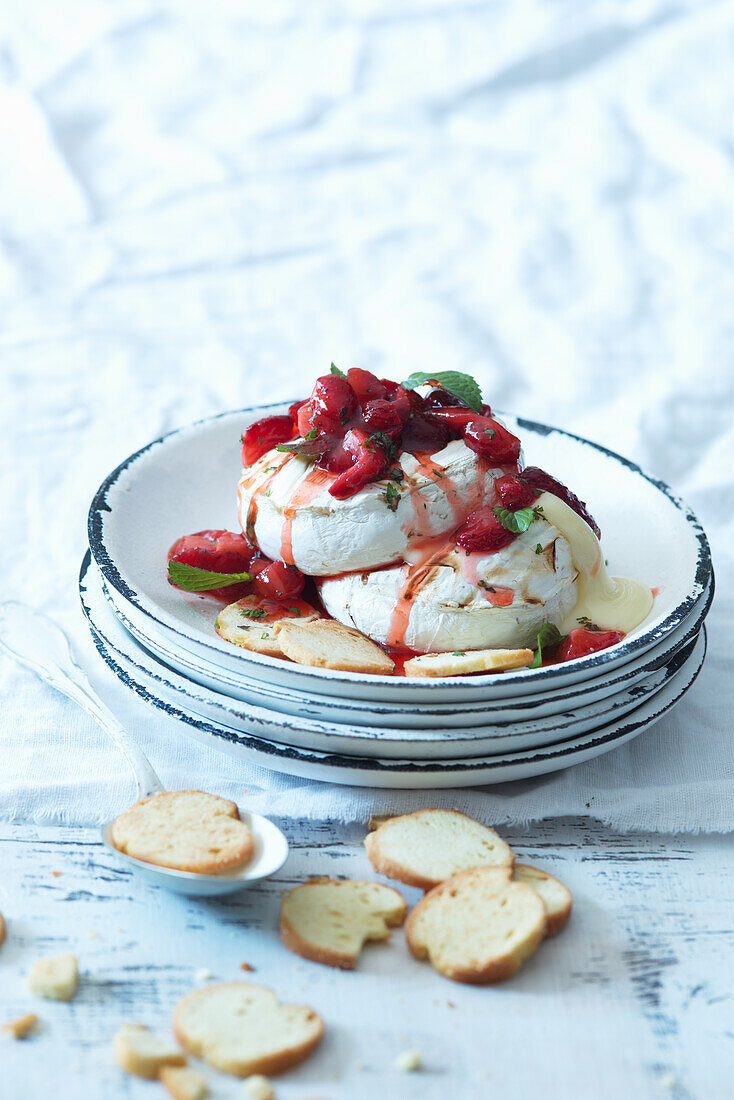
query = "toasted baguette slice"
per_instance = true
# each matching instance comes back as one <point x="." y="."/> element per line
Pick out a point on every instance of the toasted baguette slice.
<point x="330" y="920"/>
<point x="558" y="898"/>
<point x="242" y="1029"/>
<point x="22" y="1026"/>
<point x="186" y="830"/>
<point x="258" y="633"/>
<point x="473" y="660"/>
<point x="428" y="846"/>
<point x="183" y="1083"/>
<point x="55" y="979"/>
<point x="478" y="926"/>
<point x="139" y="1052"/>
<point x="324" y="643"/>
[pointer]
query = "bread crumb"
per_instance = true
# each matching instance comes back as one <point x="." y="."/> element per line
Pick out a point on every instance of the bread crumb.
<point x="247" y="967"/>
<point x="183" y="1083"/>
<point x="203" y="974"/>
<point x="55" y="979"/>
<point x="57" y="874"/>
<point x="258" y="1087"/>
<point x="18" y="1029"/>
<point x="409" y="1061"/>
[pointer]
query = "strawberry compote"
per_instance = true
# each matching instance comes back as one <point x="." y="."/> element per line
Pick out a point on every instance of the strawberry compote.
<point x="356" y="426"/>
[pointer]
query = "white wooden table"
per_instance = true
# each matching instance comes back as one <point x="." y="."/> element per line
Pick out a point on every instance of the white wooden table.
<point x="633" y="999"/>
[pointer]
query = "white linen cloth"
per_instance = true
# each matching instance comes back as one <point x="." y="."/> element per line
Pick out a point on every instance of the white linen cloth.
<point x="202" y="205"/>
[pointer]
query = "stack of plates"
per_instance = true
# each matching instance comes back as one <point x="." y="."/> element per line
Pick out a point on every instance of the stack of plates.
<point x="381" y="731"/>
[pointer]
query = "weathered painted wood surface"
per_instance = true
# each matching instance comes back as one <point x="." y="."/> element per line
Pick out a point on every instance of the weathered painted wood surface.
<point x="634" y="999"/>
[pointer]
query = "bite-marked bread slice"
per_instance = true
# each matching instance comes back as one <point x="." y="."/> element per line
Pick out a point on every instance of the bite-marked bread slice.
<point x="183" y="1083"/>
<point x="242" y="1028"/>
<point x="55" y="979"/>
<point x="140" y="1052"/>
<point x="330" y="920"/>
<point x="463" y="664"/>
<point x="22" y="1026"/>
<point x="186" y="830"/>
<point x="428" y="846"/>
<point x="478" y="927"/>
<point x="242" y="624"/>
<point x="324" y="643"/>
<point x="558" y="898"/>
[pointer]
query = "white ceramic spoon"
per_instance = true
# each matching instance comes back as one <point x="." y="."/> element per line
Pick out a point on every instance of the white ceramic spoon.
<point x="40" y="644"/>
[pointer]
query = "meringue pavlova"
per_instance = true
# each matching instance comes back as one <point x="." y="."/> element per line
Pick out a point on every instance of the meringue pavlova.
<point x="382" y="521"/>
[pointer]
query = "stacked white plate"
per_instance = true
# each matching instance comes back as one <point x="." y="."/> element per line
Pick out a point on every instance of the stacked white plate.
<point x="381" y="731"/>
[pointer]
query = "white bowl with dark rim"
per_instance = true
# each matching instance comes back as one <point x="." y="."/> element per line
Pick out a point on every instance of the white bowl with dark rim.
<point x="438" y="771"/>
<point x="186" y="481"/>
<point x="375" y="739"/>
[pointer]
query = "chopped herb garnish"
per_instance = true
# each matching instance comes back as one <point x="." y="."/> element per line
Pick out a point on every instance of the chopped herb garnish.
<point x="383" y="442"/>
<point x="254" y="612"/>
<point x="438" y="473"/>
<point x="265" y="636"/>
<point x="391" y="496"/>
<point x="488" y="587"/>
<point x="396" y="474"/>
<point x="311" y="435"/>
<point x="335" y="370"/>
<point x="191" y="579"/>
<point x="458" y="653"/>
<point x="296" y="611"/>
<point x="490" y="432"/>
<point x="549" y="635"/>
<point x="539" y="549"/>
<point x="519" y="521"/>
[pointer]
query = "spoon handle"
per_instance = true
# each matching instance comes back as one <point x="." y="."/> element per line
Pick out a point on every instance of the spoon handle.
<point x="40" y="644"/>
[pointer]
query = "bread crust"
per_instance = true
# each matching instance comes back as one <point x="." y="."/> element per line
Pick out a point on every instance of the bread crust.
<point x="560" y="911"/>
<point x="497" y="969"/>
<point x="271" y="1063"/>
<point x="344" y="960"/>
<point x="399" y="871"/>
<point x="145" y="1064"/>
<point x="20" y="1027"/>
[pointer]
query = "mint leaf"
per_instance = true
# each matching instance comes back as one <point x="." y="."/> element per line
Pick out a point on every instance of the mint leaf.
<point x="548" y="636"/>
<point x="335" y="370"/>
<point x="309" y="447"/>
<point x="460" y="385"/>
<point x="192" y="579"/>
<point x="517" y="522"/>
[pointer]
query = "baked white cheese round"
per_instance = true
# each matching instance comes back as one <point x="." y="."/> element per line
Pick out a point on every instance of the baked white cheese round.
<point x="462" y="601"/>
<point x="284" y="503"/>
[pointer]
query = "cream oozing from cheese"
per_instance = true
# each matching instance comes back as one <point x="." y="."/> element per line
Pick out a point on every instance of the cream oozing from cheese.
<point x="614" y="603"/>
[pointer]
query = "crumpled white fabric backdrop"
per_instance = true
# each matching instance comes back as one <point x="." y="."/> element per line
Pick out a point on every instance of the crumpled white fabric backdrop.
<point x="202" y="205"/>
